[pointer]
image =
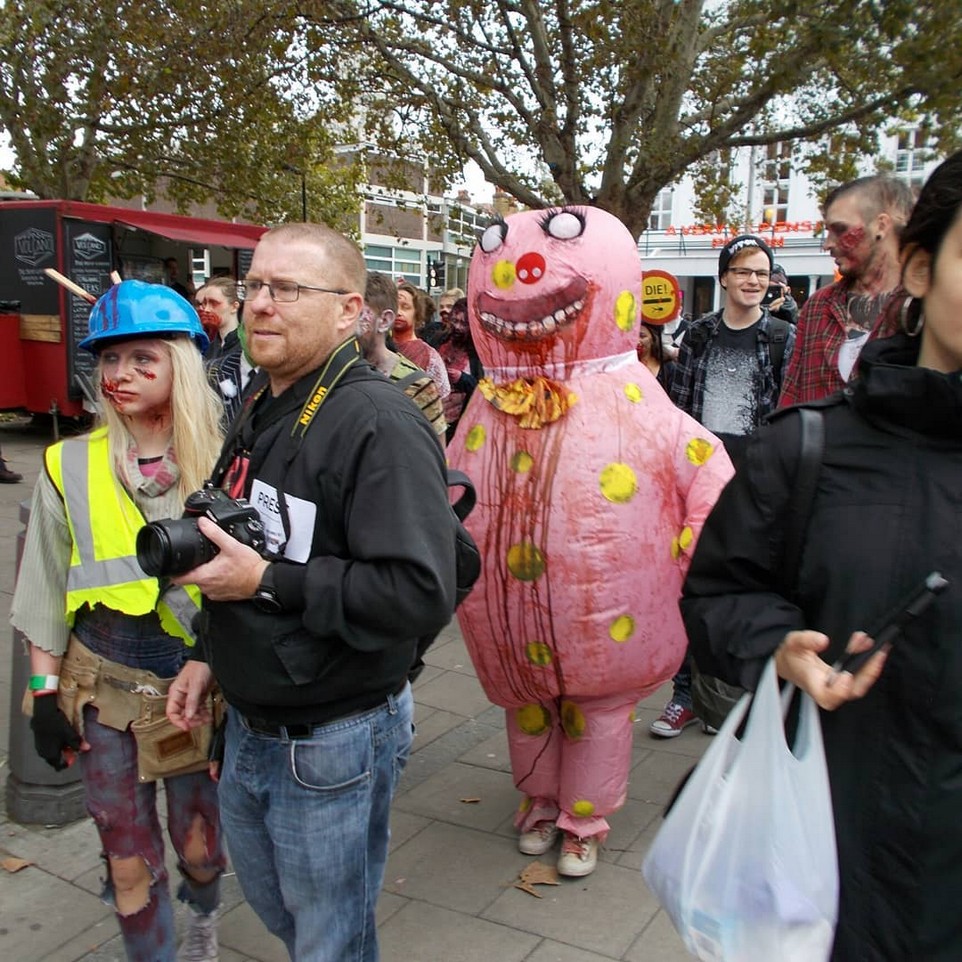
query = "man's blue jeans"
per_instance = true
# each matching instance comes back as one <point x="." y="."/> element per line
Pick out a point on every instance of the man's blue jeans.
<point x="306" y="822"/>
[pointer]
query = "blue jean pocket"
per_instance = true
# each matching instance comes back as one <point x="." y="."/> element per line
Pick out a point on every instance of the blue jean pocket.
<point x="334" y="762"/>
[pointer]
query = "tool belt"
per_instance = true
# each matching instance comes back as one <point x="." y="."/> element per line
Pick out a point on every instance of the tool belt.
<point x="136" y="699"/>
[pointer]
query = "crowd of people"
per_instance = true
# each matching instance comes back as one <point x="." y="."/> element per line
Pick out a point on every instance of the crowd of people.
<point x="280" y="408"/>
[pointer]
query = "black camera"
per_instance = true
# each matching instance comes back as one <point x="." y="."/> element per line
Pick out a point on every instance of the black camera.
<point x="173" y="546"/>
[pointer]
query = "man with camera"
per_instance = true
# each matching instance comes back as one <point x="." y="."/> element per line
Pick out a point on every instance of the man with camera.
<point x="311" y="637"/>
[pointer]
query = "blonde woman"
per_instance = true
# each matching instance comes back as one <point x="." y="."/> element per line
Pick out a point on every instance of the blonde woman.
<point x="115" y="635"/>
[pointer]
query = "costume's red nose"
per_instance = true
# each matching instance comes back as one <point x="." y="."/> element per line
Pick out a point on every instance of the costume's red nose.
<point x="530" y="268"/>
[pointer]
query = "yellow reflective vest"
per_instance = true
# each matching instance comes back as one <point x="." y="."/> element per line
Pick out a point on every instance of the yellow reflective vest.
<point x="103" y="521"/>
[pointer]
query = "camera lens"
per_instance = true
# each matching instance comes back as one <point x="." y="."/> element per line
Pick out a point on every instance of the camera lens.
<point x="153" y="549"/>
<point x="172" y="547"/>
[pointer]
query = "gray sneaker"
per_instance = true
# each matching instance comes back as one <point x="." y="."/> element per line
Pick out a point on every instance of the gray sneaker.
<point x="200" y="941"/>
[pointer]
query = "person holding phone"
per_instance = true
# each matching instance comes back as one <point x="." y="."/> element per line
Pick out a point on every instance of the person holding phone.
<point x="884" y="520"/>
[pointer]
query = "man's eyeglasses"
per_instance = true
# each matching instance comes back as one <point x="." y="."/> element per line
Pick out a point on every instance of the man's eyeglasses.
<point x="282" y="292"/>
<point x="743" y="273"/>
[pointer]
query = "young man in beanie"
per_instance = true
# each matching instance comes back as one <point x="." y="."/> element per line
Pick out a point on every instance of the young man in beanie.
<point x="728" y="376"/>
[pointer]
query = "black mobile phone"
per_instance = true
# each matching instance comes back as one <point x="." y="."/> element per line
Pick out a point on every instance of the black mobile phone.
<point x="894" y="623"/>
<point x="773" y="293"/>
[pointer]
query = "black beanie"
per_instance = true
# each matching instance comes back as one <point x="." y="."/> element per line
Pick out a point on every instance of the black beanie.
<point x="740" y="243"/>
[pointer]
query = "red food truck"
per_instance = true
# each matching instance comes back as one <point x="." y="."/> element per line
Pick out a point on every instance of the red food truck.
<point x="41" y="323"/>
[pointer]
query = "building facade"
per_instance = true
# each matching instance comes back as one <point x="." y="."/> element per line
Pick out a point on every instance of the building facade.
<point x="779" y="205"/>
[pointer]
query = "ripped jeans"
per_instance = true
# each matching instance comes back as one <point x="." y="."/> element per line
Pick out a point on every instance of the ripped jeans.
<point x="125" y="812"/>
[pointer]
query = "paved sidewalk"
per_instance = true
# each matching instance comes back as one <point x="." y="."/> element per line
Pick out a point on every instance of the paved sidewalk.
<point x="448" y="894"/>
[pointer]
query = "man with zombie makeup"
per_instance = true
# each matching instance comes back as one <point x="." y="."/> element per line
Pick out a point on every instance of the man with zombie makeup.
<point x="374" y="329"/>
<point x="312" y="641"/>
<point x="863" y="221"/>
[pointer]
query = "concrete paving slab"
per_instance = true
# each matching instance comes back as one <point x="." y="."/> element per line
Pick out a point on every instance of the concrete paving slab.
<point x="454" y="937"/>
<point x="658" y="942"/>
<point x="454" y="692"/>
<point x="42" y="912"/>
<point x="441" y="797"/>
<point x="551" y="951"/>
<point x="491" y="753"/>
<point x="601" y="913"/>
<point x="453" y="867"/>
<point x="244" y="933"/>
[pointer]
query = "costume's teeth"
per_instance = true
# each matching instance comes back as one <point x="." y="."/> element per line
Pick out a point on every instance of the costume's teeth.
<point x="531" y="330"/>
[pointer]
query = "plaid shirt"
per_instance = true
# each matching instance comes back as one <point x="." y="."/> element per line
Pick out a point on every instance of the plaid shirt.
<point x="822" y="330"/>
<point x="687" y="387"/>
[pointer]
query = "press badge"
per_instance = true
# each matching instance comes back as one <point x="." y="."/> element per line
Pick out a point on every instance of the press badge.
<point x="301" y="514"/>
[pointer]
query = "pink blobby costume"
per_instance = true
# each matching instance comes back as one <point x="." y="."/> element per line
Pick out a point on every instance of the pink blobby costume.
<point x="592" y="489"/>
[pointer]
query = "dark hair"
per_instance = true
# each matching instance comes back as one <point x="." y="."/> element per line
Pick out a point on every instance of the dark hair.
<point x="657" y="344"/>
<point x="380" y="293"/>
<point x="936" y="210"/>
<point x="417" y="300"/>
<point x="877" y="194"/>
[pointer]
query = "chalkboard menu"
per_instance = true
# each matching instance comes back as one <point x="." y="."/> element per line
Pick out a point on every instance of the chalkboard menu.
<point x="28" y="244"/>
<point x="244" y="258"/>
<point x="88" y="257"/>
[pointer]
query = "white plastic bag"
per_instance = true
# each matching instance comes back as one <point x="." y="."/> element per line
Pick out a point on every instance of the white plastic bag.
<point x="745" y="862"/>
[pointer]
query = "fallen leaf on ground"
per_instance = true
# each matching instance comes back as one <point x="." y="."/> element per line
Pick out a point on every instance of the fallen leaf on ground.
<point x="470" y="801"/>
<point x="537" y="873"/>
<point x="12" y="864"/>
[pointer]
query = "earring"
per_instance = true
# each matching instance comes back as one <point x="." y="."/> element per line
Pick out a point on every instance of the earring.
<point x="916" y="328"/>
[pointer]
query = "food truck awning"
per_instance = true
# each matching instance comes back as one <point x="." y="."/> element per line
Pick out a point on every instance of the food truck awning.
<point x="200" y="233"/>
<point x="197" y="231"/>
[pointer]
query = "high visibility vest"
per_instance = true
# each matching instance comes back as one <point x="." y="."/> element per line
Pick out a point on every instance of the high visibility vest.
<point x="103" y="521"/>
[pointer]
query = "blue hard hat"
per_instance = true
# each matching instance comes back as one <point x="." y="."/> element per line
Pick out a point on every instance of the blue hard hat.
<point x="137" y="309"/>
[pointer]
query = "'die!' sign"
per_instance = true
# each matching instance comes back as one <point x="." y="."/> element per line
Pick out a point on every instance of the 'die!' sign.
<point x="660" y="297"/>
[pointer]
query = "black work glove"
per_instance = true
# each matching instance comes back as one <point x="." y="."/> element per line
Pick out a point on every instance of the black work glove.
<point x="52" y="733"/>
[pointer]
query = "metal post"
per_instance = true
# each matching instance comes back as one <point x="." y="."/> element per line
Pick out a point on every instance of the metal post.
<point x="36" y="794"/>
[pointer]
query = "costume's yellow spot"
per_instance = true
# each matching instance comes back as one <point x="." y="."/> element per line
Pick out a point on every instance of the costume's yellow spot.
<point x="538" y="653"/>
<point x="626" y="310"/>
<point x="632" y="716"/>
<point x="475" y="438"/>
<point x="525" y="804"/>
<point x="572" y="720"/>
<point x="503" y="274"/>
<point x="522" y="462"/>
<point x="618" y="482"/>
<point x="622" y="628"/>
<point x="533" y="719"/>
<point x="682" y="543"/>
<point x="583" y="808"/>
<point x="698" y="451"/>
<point x="525" y="561"/>
<point x="633" y="393"/>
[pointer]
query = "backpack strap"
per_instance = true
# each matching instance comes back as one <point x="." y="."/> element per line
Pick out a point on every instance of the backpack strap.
<point x="803" y="496"/>
<point x="405" y="382"/>
<point x="777" y="340"/>
<point x="468" y="498"/>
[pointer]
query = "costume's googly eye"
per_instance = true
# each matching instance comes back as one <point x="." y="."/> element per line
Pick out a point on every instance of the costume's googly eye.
<point x="565" y="225"/>
<point x="492" y="237"/>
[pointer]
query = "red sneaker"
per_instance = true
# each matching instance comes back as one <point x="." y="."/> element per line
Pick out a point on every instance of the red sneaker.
<point x="672" y="721"/>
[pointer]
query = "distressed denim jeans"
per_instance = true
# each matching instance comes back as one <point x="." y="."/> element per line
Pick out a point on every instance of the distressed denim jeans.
<point x="306" y="822"/>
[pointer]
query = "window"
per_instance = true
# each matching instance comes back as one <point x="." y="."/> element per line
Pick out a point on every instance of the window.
<point x="776" y="169"/>
<point x="775" y="204"/>
<point x="777" y="165"/>
<point x="396" y="262"/>
<point x="911" y="155"/>
<point x="199" y="265"/>
<point x="660" y="216"/>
